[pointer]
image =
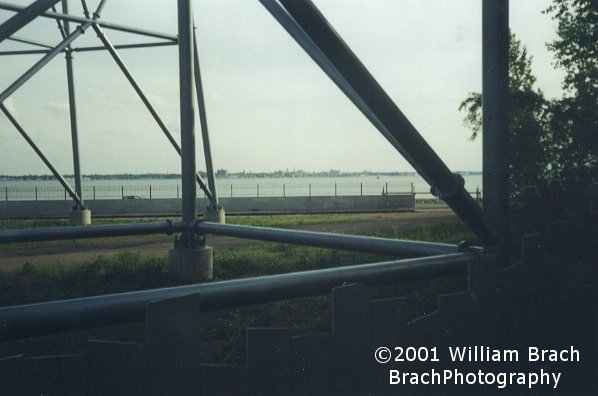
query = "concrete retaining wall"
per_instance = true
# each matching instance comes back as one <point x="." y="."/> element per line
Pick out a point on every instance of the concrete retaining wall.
<point x="172" y="207"/>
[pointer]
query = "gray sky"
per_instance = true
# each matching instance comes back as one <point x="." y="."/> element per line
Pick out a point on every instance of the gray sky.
<point x="269" y="106"/>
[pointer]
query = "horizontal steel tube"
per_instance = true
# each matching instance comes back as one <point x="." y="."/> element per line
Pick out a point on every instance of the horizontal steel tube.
<point x="84" y="313"/>
<point x="88" y="49"/>
<point x="326" y="240"/>
<point x="107" y="25"/>
<point x="61" y="233"/>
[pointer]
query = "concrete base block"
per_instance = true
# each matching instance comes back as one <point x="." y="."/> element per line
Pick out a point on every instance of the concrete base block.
<point x="80" y="217"/>
<point x="215" y="216"/>
<point x="191" y="264"/>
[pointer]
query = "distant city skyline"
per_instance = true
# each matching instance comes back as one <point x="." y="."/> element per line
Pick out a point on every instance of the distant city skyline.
<point x="268" y="106"/>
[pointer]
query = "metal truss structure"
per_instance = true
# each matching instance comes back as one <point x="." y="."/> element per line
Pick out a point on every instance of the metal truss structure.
<point x="304" y="22"/>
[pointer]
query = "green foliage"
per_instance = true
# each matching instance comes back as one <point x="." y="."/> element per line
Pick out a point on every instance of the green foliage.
<point x="553" y="143"/>
<point x="123" y="272"/>
<point x="528" y="161"/>
<point x="574" y="117"/>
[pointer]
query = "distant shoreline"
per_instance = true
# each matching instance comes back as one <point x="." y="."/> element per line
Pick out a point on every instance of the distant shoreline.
<point x="221" y="174"/>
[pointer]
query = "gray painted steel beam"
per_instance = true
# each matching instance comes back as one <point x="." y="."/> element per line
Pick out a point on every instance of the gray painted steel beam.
<point x="89" y="49"/>
<point x="68" y="315"/>
<point x="495" y="119"/>
<point x="187" y="113"/>
<point x="71" y="233"/>
<point x="41" y="155"/>
<point x="445" y="185"/>
<point x="32" y="42"/>
<point x="72" y="111"/>
<point x="295" y="31"/>
<point x="403" y="248"/>
<point x="107" y="25"/>
<point x="203" y="121"/>
<point x="112" y="50"/>
<point x="49" y="56"/>
<point x="24" y="16"/>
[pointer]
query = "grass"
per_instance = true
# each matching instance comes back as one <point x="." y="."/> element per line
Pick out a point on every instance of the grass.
<point x="224" y="331"/>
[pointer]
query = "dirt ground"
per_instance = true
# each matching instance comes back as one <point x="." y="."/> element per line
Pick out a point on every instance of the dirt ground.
<point x="82" y="250"/>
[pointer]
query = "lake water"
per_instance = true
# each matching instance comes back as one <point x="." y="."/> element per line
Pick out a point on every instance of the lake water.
<point x="230" y="187"/>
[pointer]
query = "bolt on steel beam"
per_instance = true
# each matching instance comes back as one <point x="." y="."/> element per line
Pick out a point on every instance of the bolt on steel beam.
<point x="54" y="317"/>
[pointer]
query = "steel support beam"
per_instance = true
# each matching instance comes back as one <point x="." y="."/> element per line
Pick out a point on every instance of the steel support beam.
<point x="32" y="42"/>
<point x="299" y="35"/>
<point x="112" y="50"/>
<point x="187" y="114"/>
<point x="89" y="49"/>
<point x="41" y="155"/>
<point x="24" y="16"/>
<point x="69" y="315"/>
<point x="392" y="247"/>
<point x="203" y="120"/>
<point x="107" y="25"/>
<point x="445" y="185"/>
<point x="73" y="112"/>
<point x="48" y="57"/>
<point x="495" y="119"/>
<point x="70" y="233"/>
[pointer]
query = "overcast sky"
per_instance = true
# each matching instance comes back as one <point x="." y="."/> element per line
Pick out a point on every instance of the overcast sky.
<point x="269" y="106"/>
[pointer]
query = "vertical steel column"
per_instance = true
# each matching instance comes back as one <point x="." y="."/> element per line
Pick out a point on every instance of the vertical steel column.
<point x="112" y="50"/>
<point x="187" y="113"/>
<point x="203" y="120"/>
<point x="73" y="111"/>
<point x="495" y="100"/>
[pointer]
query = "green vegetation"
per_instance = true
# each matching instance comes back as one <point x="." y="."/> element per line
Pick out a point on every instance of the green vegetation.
<point x="553" y="142"/>
<point x="224" y="332"/>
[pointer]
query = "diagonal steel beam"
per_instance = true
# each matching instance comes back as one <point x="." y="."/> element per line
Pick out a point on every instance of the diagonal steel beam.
<point x="41" y="155"/>
<point x="112" y="50"/>
<point x="32" y="42"/>
<point x="203" y="121"/>
<point x="444" y="184"/>
<point x="107" y="25"/>
<point x="43" y="61"/>
<point x="24" y="16"/>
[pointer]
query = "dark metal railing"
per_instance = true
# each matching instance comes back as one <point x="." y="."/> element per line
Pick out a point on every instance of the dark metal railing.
<point x="53" y="317"/>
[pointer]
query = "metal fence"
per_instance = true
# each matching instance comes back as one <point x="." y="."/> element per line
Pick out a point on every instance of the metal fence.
<point x="149" y="191"/>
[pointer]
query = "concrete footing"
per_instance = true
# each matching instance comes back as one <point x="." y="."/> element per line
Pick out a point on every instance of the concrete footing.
<point x="193" y="265"/>
<point x="215" y="216"/>
<point x="80" y="217"/>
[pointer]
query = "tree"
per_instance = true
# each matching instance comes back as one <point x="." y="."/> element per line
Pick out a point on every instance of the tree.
<point x="574" y="117"/>
<point x="528" y="134"/>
